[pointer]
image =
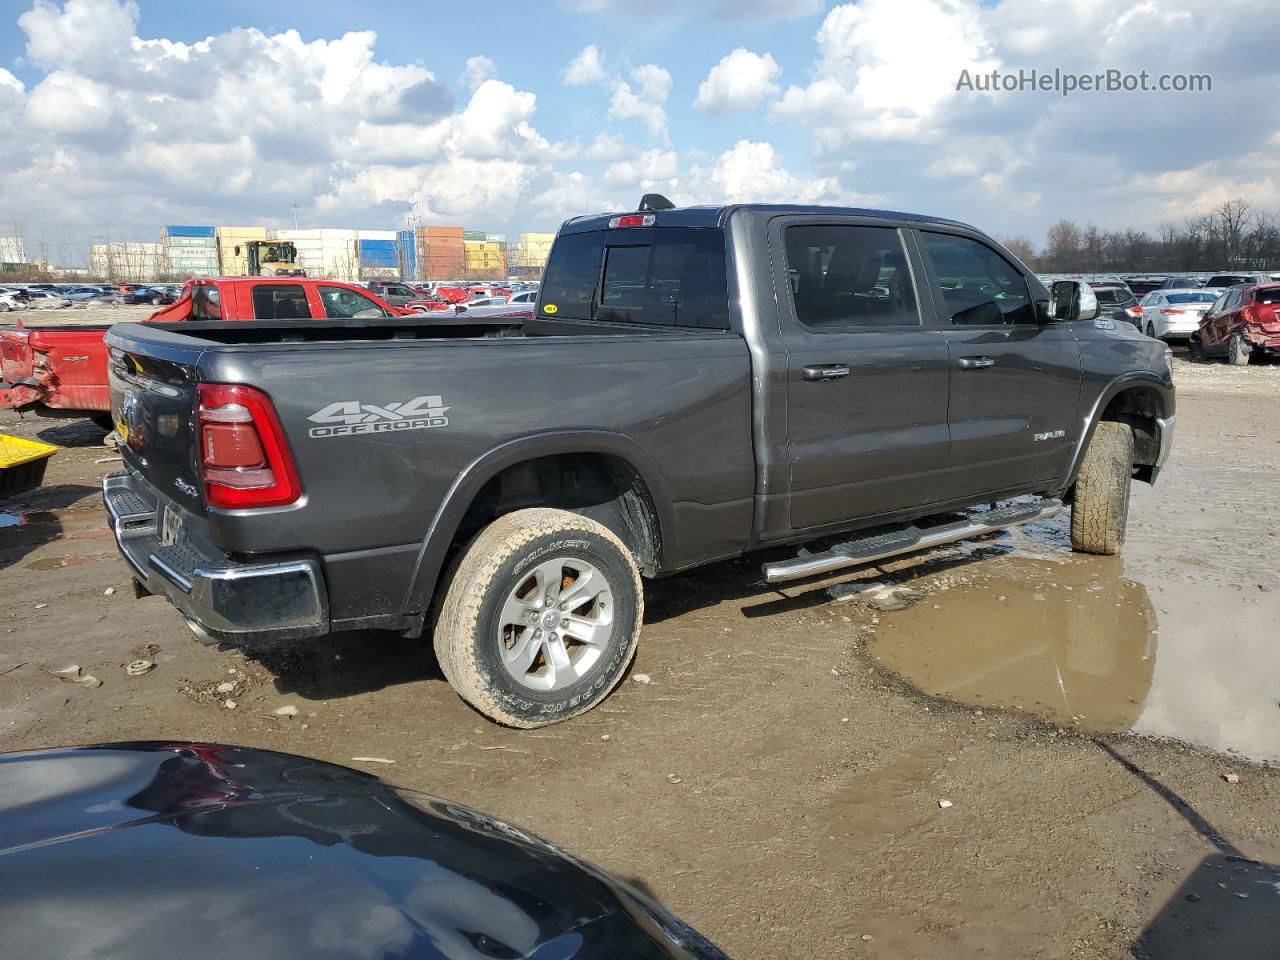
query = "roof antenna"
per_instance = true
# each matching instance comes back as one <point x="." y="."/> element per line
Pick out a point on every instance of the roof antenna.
<point x="655" y="201"/>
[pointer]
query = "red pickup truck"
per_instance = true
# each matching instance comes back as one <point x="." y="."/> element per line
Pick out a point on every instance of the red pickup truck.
<point x="62" y="370"/>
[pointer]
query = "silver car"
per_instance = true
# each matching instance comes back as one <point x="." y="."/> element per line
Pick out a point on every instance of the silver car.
<point x="1175" y="314"/>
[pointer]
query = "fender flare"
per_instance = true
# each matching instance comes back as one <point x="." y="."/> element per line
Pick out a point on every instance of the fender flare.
<point x="444" y="524"/>
<point x="1090" y="421"/>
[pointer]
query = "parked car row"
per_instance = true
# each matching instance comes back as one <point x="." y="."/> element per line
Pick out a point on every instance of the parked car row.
<point x="1228" y="315"/>
<point x="27" y="296"/>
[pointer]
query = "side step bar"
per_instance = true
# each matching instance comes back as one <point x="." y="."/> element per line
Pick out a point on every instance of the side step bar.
<point x="908" y="539"/>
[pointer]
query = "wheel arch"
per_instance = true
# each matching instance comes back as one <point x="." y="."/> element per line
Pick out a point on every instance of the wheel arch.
<point x="1146" y="404"/>
<point x="639" y="510"/>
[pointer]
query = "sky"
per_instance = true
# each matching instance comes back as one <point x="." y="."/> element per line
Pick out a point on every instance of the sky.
<point x="120" y="116"/>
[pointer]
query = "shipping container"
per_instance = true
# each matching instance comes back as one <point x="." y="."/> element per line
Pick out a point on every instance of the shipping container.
<point x="440" y="232"/>
<point x="178" y="230"/>
<point x="197" y="243"/>
<point x="378" y="253"/>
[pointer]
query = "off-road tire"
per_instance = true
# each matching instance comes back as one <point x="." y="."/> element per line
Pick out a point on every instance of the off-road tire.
<point x="1238" y="351"/>
<point x="466" y="632"/>
<point x="1100" y="508"/>
<point x="1195" y="350"/>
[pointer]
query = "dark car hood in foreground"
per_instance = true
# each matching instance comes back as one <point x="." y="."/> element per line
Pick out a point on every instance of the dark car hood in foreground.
<point x="145" y="850"/>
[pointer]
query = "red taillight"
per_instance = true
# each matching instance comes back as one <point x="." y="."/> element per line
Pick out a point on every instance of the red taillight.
<point x="1134" y="311"/>
<point x="244" y="457"/>
<point x="634" y="220"/>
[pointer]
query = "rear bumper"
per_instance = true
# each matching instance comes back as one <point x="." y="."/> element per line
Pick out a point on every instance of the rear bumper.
<point x="222" y="600"/>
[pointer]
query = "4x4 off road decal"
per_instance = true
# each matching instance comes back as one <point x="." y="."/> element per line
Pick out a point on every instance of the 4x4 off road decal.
<point x="349" y="417"/>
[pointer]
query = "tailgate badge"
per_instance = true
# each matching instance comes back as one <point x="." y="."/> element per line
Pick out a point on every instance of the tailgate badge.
<point x="349" y="417"/>
<point x="185" y="486"/>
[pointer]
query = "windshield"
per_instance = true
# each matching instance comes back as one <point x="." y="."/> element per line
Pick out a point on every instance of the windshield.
<point x="1192" y="298"/>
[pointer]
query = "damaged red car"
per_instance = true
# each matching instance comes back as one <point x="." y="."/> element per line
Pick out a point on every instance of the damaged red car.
<point x="1242" y="325"/>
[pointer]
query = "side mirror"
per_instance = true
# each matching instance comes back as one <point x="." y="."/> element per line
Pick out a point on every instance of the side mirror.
<point x="1072" y="300"/>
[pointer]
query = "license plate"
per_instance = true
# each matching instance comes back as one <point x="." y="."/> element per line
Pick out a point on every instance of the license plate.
<point x="170" y="526"/>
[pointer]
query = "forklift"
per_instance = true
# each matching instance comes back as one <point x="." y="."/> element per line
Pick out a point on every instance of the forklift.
<point x="272" y="258"/>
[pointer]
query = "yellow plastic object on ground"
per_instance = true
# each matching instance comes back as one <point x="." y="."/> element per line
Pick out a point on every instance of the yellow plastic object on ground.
<point x="22" y="464"/>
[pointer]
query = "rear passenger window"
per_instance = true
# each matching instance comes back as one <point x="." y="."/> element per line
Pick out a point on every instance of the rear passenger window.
<point x="664" y="276"/>
<point x="979" y="287"/>
<point x="847" y="277"/>
<point x="280" y="301"/>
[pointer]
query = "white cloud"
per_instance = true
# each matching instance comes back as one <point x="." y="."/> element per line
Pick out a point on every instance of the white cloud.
<point x="646" y="169"/>
<point x="750" y="172"/>
<point x="887" y="67"/>
<point x="585" y="68"/>
<point x="738" y="82"/>
<point x="646" y="102"/>
<point x="477" y="71"/>
<point x="606" y="147"/>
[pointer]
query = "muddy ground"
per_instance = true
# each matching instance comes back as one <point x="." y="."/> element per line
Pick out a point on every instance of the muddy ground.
<point x="777" y="783"/>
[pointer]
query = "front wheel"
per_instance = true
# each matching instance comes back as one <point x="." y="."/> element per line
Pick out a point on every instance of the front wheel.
<point x="1150" y="331"/>
<point x="1195" y="350"/>
<point x="1238" y="351"/>
<point x="541" y="617"/>
<point x="1100" y="510"/>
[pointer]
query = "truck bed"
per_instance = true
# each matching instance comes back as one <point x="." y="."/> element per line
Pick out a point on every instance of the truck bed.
<point x="674" y="404"/>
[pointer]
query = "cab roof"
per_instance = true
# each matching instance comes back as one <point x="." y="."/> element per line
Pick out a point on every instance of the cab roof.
<point x="718" y="216"/>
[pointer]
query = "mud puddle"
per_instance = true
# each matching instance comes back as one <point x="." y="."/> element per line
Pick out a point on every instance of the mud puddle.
<point x="1080" y="645"/>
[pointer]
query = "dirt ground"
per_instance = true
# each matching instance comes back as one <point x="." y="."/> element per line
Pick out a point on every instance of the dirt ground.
<point x="80" y="313"/>
<point x="777" y="783"/>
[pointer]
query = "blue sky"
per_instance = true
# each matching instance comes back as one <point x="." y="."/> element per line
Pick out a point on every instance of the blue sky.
<point x="136" y="114"/>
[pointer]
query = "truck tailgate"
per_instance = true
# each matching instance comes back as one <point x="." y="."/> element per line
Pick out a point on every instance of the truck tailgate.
<point x="153" y="399"/>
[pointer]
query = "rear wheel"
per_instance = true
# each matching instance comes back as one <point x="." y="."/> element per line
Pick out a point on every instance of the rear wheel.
<point x="1238" y="351"/>
<point x="541" y="617"/>
<point x="1100" y="509"/>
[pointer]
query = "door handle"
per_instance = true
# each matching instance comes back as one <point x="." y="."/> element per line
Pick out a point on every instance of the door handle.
<point x="975" y="363"/>
<point x="825" y="371"/>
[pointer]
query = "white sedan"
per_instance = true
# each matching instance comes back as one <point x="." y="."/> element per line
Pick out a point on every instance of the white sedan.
<point x="1175" y="314"/>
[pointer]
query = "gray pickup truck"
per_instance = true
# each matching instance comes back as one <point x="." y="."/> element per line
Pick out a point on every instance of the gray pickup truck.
<point x="694" y="384"/>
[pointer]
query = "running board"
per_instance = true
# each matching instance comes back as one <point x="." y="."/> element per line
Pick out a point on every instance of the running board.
<point x="908" y="539"/>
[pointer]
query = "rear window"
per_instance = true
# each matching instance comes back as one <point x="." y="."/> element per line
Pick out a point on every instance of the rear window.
<point x="673" y="277"/>
<point x="1192" y="297"/>
<point x="1227" y="280"/>
<point x="1143" y="287"/>
<point x="1267" y="297"/>
<point x="280" y="301"/>
<point x="205" y="303"/>
<point x="1112" y="294"/>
